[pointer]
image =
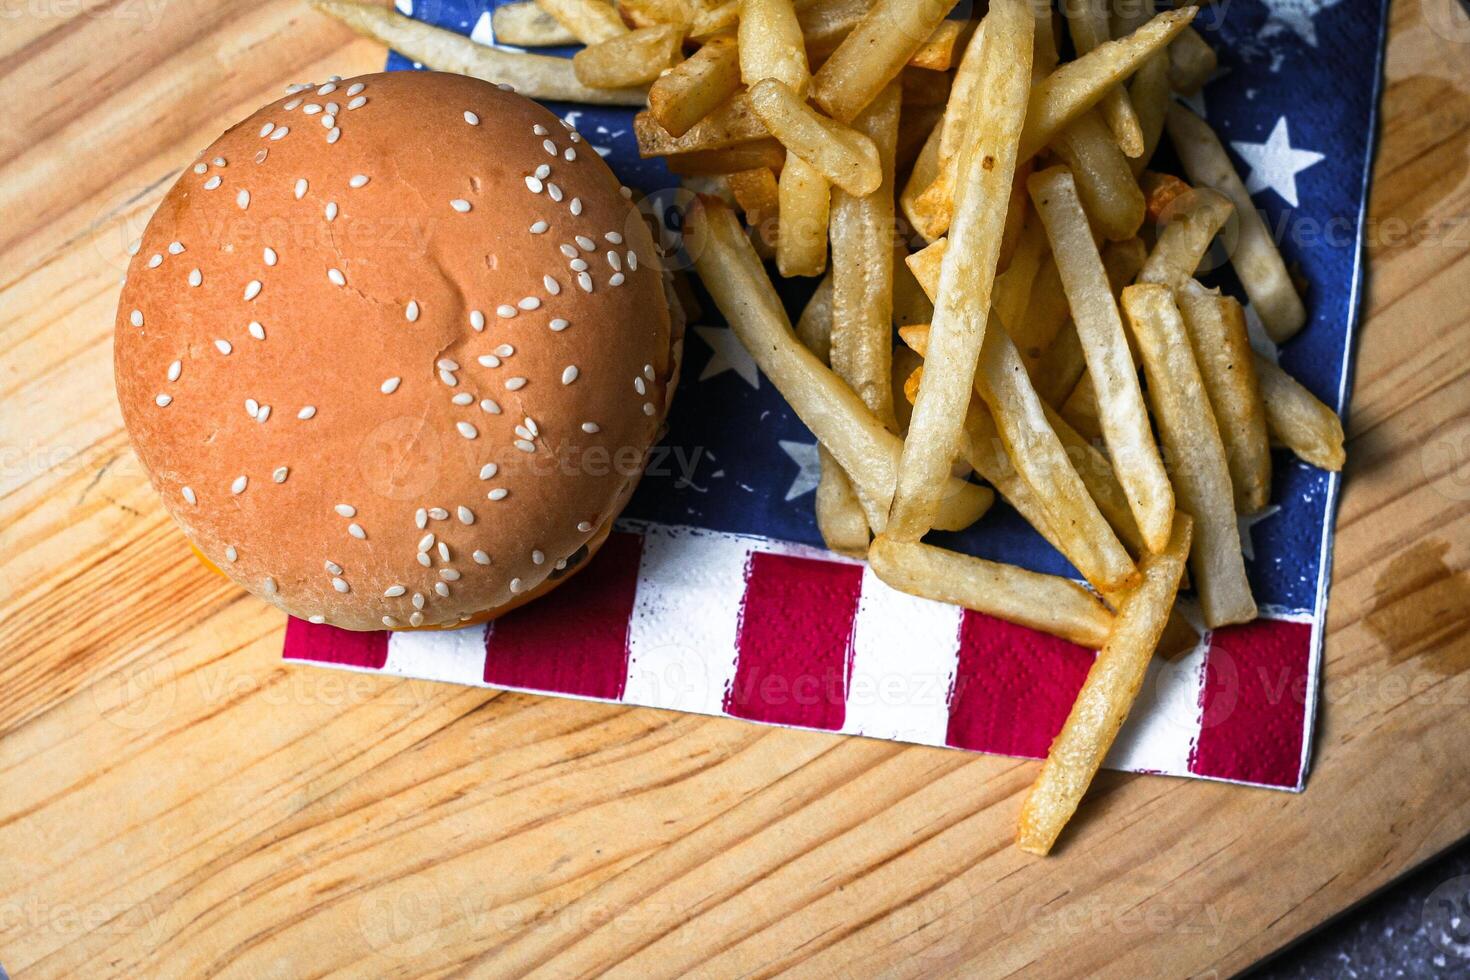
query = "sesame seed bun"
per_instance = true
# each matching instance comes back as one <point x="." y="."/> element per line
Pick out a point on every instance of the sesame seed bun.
<point x="393" y="351"/>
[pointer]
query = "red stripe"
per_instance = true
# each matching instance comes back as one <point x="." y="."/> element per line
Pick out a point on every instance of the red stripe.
<point x="329" y="645"/>
<point x="795" y="641"/>
<point x="1254" y="699"/>
<point x="1013" y="687"/>
<point x="573" y="640"/>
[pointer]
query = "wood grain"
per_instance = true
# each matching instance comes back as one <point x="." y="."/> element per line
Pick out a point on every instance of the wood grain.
<point x="175" y="801"/>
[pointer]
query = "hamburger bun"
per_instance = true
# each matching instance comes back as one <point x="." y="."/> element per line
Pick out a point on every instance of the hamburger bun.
<point x="393" y="351"/>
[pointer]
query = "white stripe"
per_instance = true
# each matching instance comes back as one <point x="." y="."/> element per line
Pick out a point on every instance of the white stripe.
<point x="1164" y="723"/>
<point x="456" y="656"/>
<point x="905" y="650"/>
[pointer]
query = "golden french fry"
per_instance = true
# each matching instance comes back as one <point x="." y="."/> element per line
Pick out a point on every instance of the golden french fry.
<point x="967" y="271"/>
<point x="1121" y="410"/>
<point x="1149" y="90"/>
<point x="905" y="363"/>
<point x="1195" y="452"/>
<point x="1076" y="86"/>
<point x="735" y="278"/>
<point x="1105" y="183"/>
<point x="1087" y="20"/>
<point x="1256" y="258"/>
<point x="729" y="125"/>
<point x="873" y="53"/>
<point x="910" y="303"/>
<point x="715" y="20"/>
<point x="840" y="153"/>
<point x="537" y="76"/>
<point x="1191" y="223"/>
<point x="1058" y="369"/>
<point x="925" y="264"/>
<point x="758" y="196"/>
<point x="824" y="23"/>
<point x="1047" y="603"/>
<point x="1045" y="316"/>
<point x="1160" y="191"/>
<point x="915" y="124"/>
<point x="922" y="175"/>
<point x="771" y="45"/>
<point x="1101" y="479"/>
<point x="1298" y="420"/>
<point x="805" y="213"/>
<point x="1107" y="695"/>
<point x="632" y="58"/>
<point x="1222" y="349"/>
<point x="814" y="326"/>
<point x="526" y="25"/>
<point x="646" y="13"/>
<point x="1013" y="287"/>
<point x="840" y="518"/>
<point x="862" y="269"/>
<point x="589" y="21"/>
<point x="733" y="159"/>
<point x="1080" y="409"/>
<point x="937" y="51"/>
<point x="1191" y="62"/>
<point x="696" y="86"/>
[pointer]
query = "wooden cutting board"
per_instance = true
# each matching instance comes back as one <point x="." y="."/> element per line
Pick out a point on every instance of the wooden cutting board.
<point x="175" y="800"/>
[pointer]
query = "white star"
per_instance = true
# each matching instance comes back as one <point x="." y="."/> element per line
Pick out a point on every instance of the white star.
<point x="404" y="7"/>
<point x="729" y="355"/>
<point x="1275" y="163"/>
<point x="1247" y="521"/>
<point x="1295" y="16"/>
<point x="809" y="467"/>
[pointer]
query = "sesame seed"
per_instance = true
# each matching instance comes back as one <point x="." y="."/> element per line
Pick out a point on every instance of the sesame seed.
<point x="505" y="311"/>
<point x="280" y="134"/>
<point x="417" y="619"/>
<point x="614" y="259"/>
<point x="490" y="406"/>
<point x="291" y="105"/>
<point x="390" y="386"/>
<point x="616" y="279"/>
<point x="585" y="281"/>
<point x="585" y="244"/>
<point x="591" y="428"/>
<point x="529" y="302"/>
<point x="269" y="588"/>
<point x="252" y="289"/>
<point x="327" y="89"/>
<point x="543" y="171"/>
<point x="355" y="87"/>
<point x="356" y="531"/>
<point x="213" y="182"/>
<point x="535" y="185"/>
<point x="346" y="510"/>
<point x="584" y="526"/>
<point x="489" y="470"/>
<point x="174" y="248"/>
<point x="499" y="493"/>
<point x="505" y="350"/>
<point x="438" y="513"/>
<point x="577" y="265"/>
<point x="280" y="473"/>
<point x="639" y="386"/>
<point x="306" y="412"/>
<point x="340" y="584"/>
<point x="331" y="210"/>
<point x="515" y="384"/>
<point x="449" y="574"/>
<point x="466" y="516"/>
<point x="318" y="620"/>
<point x="136" y="318"/>
<point x="569" y="154"/>
<point x="538" y="557"/>
<point x="539" y="227"/>
<point x="334" y="134"/>
<point x="627" y="192"/>
<point x="155" y="260"/>
<point x="243" y="199"/>
<point x="256" y="330"/>
<point x="358" y="180"/>
<point x="261" y="154"/>
<point x="539" y="129"/>
<point x="568" y="251"/>
<point x="515" y="585"/>
<point x="463" y="398"/>
<point x="448" y="377"/>
<point x="569" y="374"/>
<point x="332" y="567"/>
<point x="488" y="360"/>
<point x="389" y="622"/>
<point x="394" y="591"/>
<point x="312" y="108"/>
<point x="230" y="553"/>
<point x="357" y="103"/>
<point x="336" y="278"/>
<point x="263" y="414"/>
<point x="266" y="129"/>
<point x="223" y="346"/>
<point x="162" y="400"/>
<point x="300" y="189"/>
<point x="329" y="120"/>
<point x="269" y="256"/>
<point x="239" y="484"/>
<point x="447" y="364"/>
<point x="549" y="147"/>
<point x="411" y="312"/>
<point x="467" y="430"/>
<point x="553" y="192"/>
<point x="201" y="168"/>
<point x="552" y="286"/>
<point x="471" y="118"/>
<point x="477" y="320"/>
<point x="632" y="261"/>
<point x="441" y="589"/>
<point x="252" y="407"/>
<point x="525" y="446"/>
<point x="175" y="369"/>
<point x="648" y="372"/>
<point x="460" y="204"/>
<point x="189" y="495"/>
<point x="558" y="325"/>
<point x="524" y="432"/>
<point x="480" y="557"/>
<point x="195" y="277"/>
<point x="426" y="542"/>
<point x="648" y="408"/>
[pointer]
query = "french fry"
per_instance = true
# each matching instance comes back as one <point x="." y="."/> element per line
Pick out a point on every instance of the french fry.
<point x="646" y="13"/>
<point x="1101" y="479"/>
<point x="1298" y="420"/>
<point x="1256" y="258"/>
<point x="1047" y="603"/>
<point x="840" y="518"/>
<point x="733" y="159"/>
<point x="1195" y="452"/>
<point x="905" y="363"/>
<point x="1046" y="314"/>
<point x="729" y="125"/>
<point x="735" y="278"/>
<point x="526" y="25"/>
<point x="1160" y="191"/>
<point x="926" y="88"/>
<point x="910" y="303"/>
<point x="873" y="53"/>
<point x="1191" y="62"/>
<point x="937" y="51"/>
<point x="1106" y="697"/>
<point x="715" y="20"/>
<point x="1076" y="86"/>
<point x="1012" y="291"/>
<point x="534" y="75"/>
<point x="758" y="195"/>
<point x="635" y="57"/>
<point x="771" y="45"/>
<point x="1018" y="211"/>
<point x="1192" y="222"/>
<point x="805" y="212"/>
<point x="1222" y="349"/>
<point x="841" y="154"/>
<point x="925" y="265"/>
<point x="1080" y="408"/>
<point x="1087" y="20"/>
<point x="696" y="86"/>
<point x="915" y="123"/>
<point x="921" y="176"/>
<point x="1121" y="410"/>
<point x="1058" y="369"/>
<point x="967" y="271"/>
<point x="814" y="326"/>
<point x="1105" y="183"/>
<point x="1149" y="90"/>
<point x="862" y="269"/>
<point x="589" y="21"/>
<point x="824" y="23"/>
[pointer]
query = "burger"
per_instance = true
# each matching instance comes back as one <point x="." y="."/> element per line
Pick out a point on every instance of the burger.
<point x="393" y="351"/>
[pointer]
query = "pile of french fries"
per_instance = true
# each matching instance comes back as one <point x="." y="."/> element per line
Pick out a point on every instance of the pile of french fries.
<point x="954" y="179"/>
